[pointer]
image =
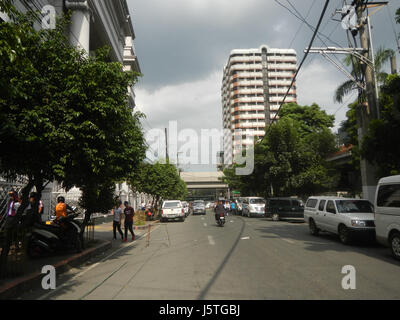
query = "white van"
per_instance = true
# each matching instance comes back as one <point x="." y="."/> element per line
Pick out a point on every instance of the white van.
<point x="346" y="217"/>
<point x="387" y="213"/>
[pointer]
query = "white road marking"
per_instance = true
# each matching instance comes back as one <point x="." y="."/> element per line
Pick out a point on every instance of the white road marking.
<point x="245" y="238"/>
<point x="211" y="240"/>
<point x="205" y="224"/>
<point x="287" y="240"/>
<point x="202" y="218"/>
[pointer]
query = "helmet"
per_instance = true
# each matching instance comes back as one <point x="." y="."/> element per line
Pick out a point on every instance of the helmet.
<point x="60" y="199"/>
<point x="33" y="195"/>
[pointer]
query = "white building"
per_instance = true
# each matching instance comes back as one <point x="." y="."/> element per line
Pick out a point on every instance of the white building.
<point x="253" y="86"/>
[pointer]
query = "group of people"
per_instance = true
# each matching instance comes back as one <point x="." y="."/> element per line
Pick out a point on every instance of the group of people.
<point x="15" y="202"/>
<point x="127" y="212"/>
<point x="225" y="207"/>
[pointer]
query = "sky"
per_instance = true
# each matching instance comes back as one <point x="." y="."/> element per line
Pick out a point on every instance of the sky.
<point x="183" y="45"/>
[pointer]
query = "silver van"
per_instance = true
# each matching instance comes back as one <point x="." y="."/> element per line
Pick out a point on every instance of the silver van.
<point x="387" y="213"/>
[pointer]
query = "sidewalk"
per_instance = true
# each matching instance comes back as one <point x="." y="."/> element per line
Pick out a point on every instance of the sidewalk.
<point x="11" y="288"/>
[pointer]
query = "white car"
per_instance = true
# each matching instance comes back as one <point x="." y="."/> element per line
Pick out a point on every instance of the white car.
<point x="172" y="210"/>
<point x="387" y="213"/>
<point x="253" y="206"/>
<point x="346" y="217"/>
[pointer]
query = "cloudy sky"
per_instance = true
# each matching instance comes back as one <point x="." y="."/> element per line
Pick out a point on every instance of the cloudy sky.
<point x="183" y="45"/>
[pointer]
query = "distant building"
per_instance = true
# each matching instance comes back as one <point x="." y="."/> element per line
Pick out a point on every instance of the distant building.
<point x="253" y="86"/>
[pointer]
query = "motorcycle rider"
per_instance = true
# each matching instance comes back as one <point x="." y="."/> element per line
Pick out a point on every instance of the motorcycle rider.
<point x="61" y="208"/>
<point x="219" y="208"/>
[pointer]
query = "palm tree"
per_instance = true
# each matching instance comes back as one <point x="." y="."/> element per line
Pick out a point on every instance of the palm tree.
<point x="381" y="56"/>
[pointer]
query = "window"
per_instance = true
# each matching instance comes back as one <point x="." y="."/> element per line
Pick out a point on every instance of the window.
<point x="347" y="206"/>
<point x="389" y="196"/>
<point x="330" y="207"/>
<point x="257" y="201"/>
<point x="172" y="205"/>
<point x="311" y="203"/>
<point x="321" y="205"/>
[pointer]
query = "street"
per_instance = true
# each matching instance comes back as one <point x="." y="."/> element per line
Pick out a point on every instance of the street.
<point x="249" y="258"/>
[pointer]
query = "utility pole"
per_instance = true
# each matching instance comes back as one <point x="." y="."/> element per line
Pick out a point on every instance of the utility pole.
<point x="366" y="111"/>
<point x="353" y="19"/>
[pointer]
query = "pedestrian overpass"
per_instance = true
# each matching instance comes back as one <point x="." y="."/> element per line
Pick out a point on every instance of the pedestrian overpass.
<point x="205" y="185"/>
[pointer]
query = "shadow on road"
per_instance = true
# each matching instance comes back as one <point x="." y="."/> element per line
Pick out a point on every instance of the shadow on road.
<point x="222" y="265"/>
<point x="324" y="241"/>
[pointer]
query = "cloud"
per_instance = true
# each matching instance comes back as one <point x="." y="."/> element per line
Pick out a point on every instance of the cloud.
<point x="317" y="83"/>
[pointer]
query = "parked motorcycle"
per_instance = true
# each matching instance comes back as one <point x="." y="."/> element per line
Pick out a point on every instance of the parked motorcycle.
<point x="62" y="235"/>
<point x="149" y="214"/>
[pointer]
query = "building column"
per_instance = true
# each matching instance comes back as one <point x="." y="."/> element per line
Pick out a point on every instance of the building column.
<point x="80" y="24"/>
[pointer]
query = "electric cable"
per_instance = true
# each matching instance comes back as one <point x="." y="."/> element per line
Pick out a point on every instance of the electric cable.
<point x="302" y="61"/>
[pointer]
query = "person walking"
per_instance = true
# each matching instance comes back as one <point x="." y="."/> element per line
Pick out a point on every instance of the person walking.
<point x="129" y="212"/>
<point x="117" y="215"/>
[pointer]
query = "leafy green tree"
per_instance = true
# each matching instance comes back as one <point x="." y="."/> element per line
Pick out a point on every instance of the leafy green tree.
<point x="161" y="180"/>
<point x="380" y="145"/>
<point x="291" y="157"/>
<point x="65" y="116"/>
<point x="381" y="57"/>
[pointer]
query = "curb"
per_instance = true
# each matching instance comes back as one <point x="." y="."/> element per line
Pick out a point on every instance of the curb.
<point x="25" y="283"/>
<point x="146" y="226"/>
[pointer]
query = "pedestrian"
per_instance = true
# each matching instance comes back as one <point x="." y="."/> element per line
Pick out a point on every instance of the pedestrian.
<point x="142" y="206"/>
<point x="129" y="212"/>
<point x="117" y="213"/>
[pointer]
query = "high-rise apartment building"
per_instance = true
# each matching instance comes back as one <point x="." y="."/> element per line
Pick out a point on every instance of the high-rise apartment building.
<point x="253" y="86"/>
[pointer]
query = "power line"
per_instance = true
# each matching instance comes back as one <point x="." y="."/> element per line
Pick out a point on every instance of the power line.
<point x="302" y="61"/>
<point x="302" y="23"/>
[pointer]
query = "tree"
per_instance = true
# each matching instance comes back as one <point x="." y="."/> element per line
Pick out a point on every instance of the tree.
<point x="65" y="116"/>
<point x="161" y="180"/>
<point x="291" y="157"/>
<point x="380" y="145"/>
<point x="381" y="57"/>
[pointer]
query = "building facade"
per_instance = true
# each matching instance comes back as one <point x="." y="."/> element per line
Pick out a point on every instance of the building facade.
<point x="254" y="84"/>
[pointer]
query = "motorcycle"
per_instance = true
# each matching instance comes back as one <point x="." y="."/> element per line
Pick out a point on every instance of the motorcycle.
<point x="149" y="214"/>
<point x="62" y="235"/>
<point x="221" y="220"/>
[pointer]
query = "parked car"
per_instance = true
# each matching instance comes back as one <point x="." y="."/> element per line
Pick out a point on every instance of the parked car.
<point x="387" y="213"/>
<point x="279" y="208"/>
<point x="346" y="217"/>
<point x="253" y="206"/>
<point x="185" y="208"/>
<point x="199" y="207"/>
<point x="172" y="209"/>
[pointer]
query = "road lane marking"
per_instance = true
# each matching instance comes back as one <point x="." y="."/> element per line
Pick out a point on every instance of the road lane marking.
<point x="205" y="224"/>
<point x="245" y="238"/>
<point x="287" y="240"/>
<point x="211" y="240"/>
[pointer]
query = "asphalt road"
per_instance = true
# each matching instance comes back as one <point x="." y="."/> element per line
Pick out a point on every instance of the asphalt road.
<point x="249" y="258"/>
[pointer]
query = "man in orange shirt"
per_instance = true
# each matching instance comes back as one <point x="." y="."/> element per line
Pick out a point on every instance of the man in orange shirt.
<point x="61" y="208"/>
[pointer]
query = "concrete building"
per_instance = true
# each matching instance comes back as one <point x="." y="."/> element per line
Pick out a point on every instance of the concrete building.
<point x="253" y="86"/>
<point x="94" y="24"/>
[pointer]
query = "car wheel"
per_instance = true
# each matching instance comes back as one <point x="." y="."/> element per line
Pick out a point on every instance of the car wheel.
<point x="275" y="217"/>
<point x="395" y="245"/>
<point x="344" y="234"/>
<point x="313" y="228"/>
